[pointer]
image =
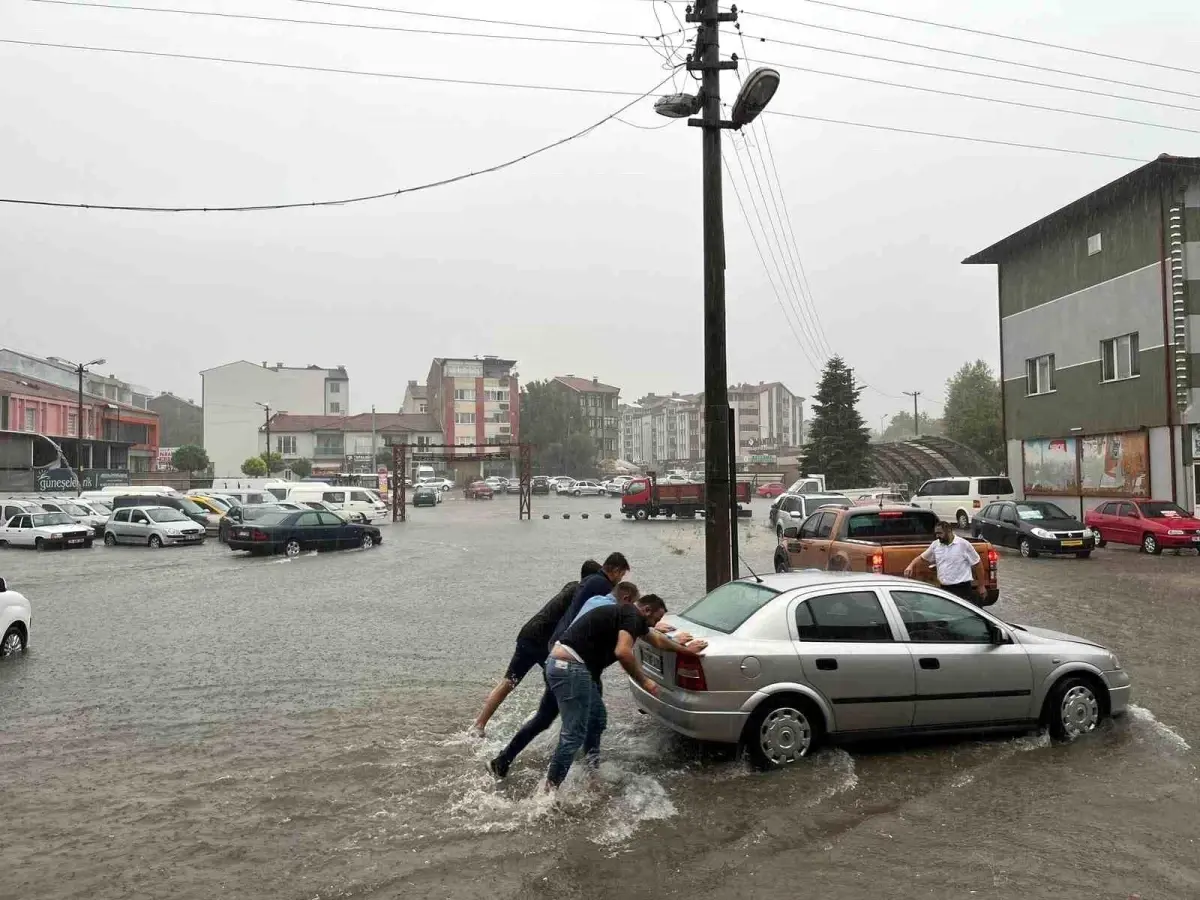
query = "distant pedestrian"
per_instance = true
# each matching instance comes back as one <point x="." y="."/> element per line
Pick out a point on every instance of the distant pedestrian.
<point x="955" y="561"/>
<point x="532" y="641"/>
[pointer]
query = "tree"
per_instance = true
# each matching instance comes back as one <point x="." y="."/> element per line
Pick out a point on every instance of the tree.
<point x="383" y="457"/>
<point x="838" y="439"/>
<point x="552" y="422"/>
<point x="255" y="467"/>
<point x="973" y="415"/>
<point x="301" y="468"/>
<point x="900" y="428"/>
<point x="190" y="458"/>
<point x="274" y="462"/>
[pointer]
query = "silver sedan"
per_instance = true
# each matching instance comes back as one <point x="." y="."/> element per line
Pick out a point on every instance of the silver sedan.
<point x="801" y="657"/>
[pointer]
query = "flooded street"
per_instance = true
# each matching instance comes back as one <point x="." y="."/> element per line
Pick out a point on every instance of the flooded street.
<point x="192" y="724"/>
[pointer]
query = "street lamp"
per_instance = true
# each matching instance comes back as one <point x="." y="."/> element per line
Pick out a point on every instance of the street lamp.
<point x="80" y="370"/>
<point x="266" y="456"/>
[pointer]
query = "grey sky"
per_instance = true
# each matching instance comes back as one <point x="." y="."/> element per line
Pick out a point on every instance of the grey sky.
<point x="584" y="260"/>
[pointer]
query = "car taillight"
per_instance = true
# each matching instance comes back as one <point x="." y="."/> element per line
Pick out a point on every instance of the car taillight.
<point x="258" y="535"/>
<point x="993" y="559"/>
<point x="689" y="673"/>
<point x="877" y="563"/>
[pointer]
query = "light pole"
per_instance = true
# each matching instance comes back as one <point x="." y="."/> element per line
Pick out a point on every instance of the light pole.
<point x="267" y="456"/>
<point x="755" y="94"/>
<point x="80" y="370"/>
<point x="916" y="420"/>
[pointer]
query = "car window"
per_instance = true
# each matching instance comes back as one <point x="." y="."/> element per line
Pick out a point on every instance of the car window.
<point x="727" y="607"/>
<point x="308" y="519"/>
<point x="121" y="515"/>
<point x="10" y="511"/>
<point x="328" y="518"/>
<point x="22" y="522"/>
<point x="54" y="518"/>
<point x="138" y="517"/>
<point x="1009" y="515"/>
<point x="1125" y="509"/>
<point x="890" y="523"/>
<point x="360" y="496"/>
<point x="334" y="496"/>
<point x="956" y="488"/>
<point x="1036" y="512"/>
<point x="931" y="619"/>
<point x="825" y="524"/>
<point x="848" y="616"/>
<point x="809" y="528"/>
<point x="1107" y="509"/>
<point x="928" y="489"/>
<point x="995" y="486"/>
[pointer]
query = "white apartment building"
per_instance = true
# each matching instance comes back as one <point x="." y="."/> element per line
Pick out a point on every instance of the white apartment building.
<point x="231" y="396"/>
<point x="347" y="443"/>
<point x="767" y="418"/>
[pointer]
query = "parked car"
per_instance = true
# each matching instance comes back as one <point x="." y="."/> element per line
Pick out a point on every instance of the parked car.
<point x="478" y="490"/>
<point x="442" y="484"/>
<point x="185" y="505"/>
<point x="958" y="499"/>
<point x="426" y="495"/>
<point x="879" y="498"/>
<point x="15" y="507"/>
<point x="562" y="486"/>
<point x="614" y="487"/>
<point x="587" y="489"/>
<point x="770" y="489"/>
<point x="513" y="486"/>
<point x="1033" y="527"/>
<point x="250" y="512"/>
<point x="796" y="659"/>
<point x="345" y="500"/>
<point x="794" y="508"/>
<point x="216" y="507"/>
<point x="539" y="484"/>
<point x="77" y="513"/>
<point x="45" y="531"/>
<point x="152" y="526"/>
<point x="497" y="484"/>
<point x="1152" y="525"/>
<point x="291" y="533"/>
<point x="15" y="618"/>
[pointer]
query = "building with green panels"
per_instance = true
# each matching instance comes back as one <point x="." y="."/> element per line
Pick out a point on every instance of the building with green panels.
<point x="1098" y="324"/>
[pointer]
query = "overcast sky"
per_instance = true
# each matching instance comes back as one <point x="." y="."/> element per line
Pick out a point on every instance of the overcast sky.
<point x="584" y="260"/>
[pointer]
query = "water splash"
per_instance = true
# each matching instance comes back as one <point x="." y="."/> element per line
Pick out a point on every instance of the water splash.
<point x="837" y="767"/>
<point x="1144" y="717"/>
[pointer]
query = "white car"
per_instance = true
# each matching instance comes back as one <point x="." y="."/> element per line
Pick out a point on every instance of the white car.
<point x="587" y="488"/>
<point x="15" y="616"/>
<point x="958" y="499"/>
<point x="563" y="485"/>
<point x="497" y="484"/>
<point x="442" y="484"/>
<point x="45" y="530"/>
<point x="77" y="512"/>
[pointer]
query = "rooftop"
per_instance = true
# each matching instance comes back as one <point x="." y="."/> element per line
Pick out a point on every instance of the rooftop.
<point x="593" y="384"/>
<point x="336" y="372"/>
<point x="11" y="382"/>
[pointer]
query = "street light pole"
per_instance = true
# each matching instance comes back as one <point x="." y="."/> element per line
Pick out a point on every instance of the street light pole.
<point x="267" y="456"/>
<point x="916" y="420"/>
<point x="79" y="370"/>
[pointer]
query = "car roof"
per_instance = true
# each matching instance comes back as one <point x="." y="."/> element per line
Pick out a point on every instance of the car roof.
<point x="789" y="581"/>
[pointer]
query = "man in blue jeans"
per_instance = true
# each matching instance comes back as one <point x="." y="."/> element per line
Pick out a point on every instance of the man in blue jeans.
<point x="589" y="646"/>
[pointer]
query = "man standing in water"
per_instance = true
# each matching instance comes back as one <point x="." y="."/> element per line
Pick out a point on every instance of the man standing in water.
<point x="955" y="560"/>
<point x="532" y="640"/>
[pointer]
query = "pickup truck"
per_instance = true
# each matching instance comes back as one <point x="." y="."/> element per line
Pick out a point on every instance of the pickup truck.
<point x="883" y="540"/>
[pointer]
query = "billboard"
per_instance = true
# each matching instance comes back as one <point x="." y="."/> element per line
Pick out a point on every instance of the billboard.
<point x="1051" y="466"/>
<point x="163" y="460"/>
<point x="1115" y="465"/>
<point x="62" y="480"/>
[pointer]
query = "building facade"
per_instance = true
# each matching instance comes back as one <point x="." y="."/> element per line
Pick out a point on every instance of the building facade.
<point x="182" y="421"/>
<point x="231" y="396"/>
<point x="346" y="443"/>
<point x="1098" y="314"/>
<point x="415" y="399"/>
<point x="598" y="403"/>
<point x="475" y="401"/>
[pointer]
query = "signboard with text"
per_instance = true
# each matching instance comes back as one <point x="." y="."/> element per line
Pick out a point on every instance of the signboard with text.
<point x="62" y="480"/>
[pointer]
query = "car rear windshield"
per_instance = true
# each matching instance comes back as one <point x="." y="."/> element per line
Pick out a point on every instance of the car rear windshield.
<point x="273" y="516"/>
<point x="167" y="515"/>
<point x="886" y="523"/>
<point x="727" y="607"/>
<point x="1160" y="509"/>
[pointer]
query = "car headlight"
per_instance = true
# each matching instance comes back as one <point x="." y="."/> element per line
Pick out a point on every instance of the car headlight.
<point x="1116" y="663"/>
<point x="1176" y="531"/>
<point x="1041" y="533"/>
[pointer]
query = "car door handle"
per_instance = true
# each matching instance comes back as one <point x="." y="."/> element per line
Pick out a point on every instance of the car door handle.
<point x="826" y="664"/>
<point x="930" y="662"/>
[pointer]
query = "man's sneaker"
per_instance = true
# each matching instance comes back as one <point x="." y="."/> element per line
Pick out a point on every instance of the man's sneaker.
<point x="498" y="767"/>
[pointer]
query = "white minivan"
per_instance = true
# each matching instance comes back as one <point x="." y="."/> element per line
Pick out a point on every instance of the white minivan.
<point x="958" y="499"/>
<point x="349" y="499"/>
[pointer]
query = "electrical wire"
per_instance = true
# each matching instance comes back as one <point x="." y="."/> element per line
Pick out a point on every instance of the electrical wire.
<point x="347" y="200"/>
<point x="1007" y="37"/>
<point x="351" y="25"/>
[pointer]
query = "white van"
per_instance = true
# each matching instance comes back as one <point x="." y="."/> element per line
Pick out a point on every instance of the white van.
<point x="958" y="499"/>
<point x="349" y="499"/>
<point x="250" y="496"/>
<point x="274" y="486"/>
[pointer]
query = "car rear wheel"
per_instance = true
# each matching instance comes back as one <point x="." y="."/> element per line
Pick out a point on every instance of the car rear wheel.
<point x="782" y="563"/>
<point x="155" y="541"/>
<point x="1027" y="549"/>
<point x="292" y="548"/>
<point x="1151" y="545"/>
<point x="782" y="731"/>
<point x="964" y="521"/>
<point x="14" y="642"/>
<point x="1074" y="708"/>
<point x="367" y="542"/>
<point x="109" y="540"/>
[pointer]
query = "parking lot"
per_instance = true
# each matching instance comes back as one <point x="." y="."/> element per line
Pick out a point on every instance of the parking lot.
<point x="191" y="723"/>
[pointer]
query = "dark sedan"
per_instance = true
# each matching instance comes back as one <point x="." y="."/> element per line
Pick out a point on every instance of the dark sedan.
<point x="425" y="496"/>
<point x="1033" y="527"/>
<point x="539" y="485"/>
<point x="280" y="531"/>
<point x="242" y="514"/>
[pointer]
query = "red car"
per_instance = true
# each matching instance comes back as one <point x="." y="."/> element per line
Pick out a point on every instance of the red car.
<point x="772" y="489"/>
<point x="1153" y="525"/>
<point x="478" y="490"/>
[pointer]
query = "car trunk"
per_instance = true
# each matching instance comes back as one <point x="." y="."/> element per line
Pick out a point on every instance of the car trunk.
<point x="662" y="665"/>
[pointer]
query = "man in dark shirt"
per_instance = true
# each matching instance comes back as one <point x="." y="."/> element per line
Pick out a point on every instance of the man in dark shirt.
<point x="588" y="647"/>
<point x="532" y="640"/>
<point x="615" y="568"/>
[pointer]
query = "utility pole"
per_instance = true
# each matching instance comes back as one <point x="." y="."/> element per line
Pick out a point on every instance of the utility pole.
<point x="79" y="423"/>
<point x="718" y="461"/>
<point x="373" y="450"/>
<point x="267" y="456"/>
<point x="916" y="418"/>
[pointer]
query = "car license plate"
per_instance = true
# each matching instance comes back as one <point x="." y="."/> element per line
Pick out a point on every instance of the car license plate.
<point x="75" y="540"/>
<point x="1072" y="543"/>
<point x="241" y="532"/>
<point x="652" y="660"/>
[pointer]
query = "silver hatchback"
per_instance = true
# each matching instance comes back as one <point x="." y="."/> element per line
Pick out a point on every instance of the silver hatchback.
<point x="800" y="657"/>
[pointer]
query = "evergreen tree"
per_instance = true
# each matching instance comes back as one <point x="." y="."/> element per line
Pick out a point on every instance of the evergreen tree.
<point x="972" y="413"/>
<point x="838" y="438"/>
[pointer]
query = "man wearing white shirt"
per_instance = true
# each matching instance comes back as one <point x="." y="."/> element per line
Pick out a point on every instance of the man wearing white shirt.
<point x="956" y="561"/>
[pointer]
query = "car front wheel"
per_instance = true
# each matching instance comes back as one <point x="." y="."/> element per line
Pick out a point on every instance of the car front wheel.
<point x="155" y="541"/>
<point x="14" y="642"/>
<point x="368" y="541"/>
<point x="964" y="521"/>
<point x="109" y="540"/>
<point x="1151" y="545"/>
<point x="782" y="731"/>
<point x="1027" y="549"/>
<point x="1074" y="708"/>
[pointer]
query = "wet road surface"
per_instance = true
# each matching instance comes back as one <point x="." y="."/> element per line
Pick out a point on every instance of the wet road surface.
<point x="192" y="724"/>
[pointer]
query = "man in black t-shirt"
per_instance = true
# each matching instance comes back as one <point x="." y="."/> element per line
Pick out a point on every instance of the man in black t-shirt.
<point x="589" y="646"/>
<point x="532" y="641"/>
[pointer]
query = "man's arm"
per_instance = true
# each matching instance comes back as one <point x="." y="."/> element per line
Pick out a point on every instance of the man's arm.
<point x="680" y="640"/>
<point x="980" y="578"/>
<point x="629" y="662"/>
<point x="921" y="561"/>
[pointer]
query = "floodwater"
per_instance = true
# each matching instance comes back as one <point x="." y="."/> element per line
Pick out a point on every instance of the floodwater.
<point x="191" y="724"/>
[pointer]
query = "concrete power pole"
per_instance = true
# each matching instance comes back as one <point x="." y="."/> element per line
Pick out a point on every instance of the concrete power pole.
<point x="267" y="456"/>
<point x="916" y="419"/>
<point x="373" y="450"/>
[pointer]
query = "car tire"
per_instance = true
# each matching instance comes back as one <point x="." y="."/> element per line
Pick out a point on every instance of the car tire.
<point x="779" y="532"/>
<point x="1027" y="549"/>
<point x="1083" y="554"/>
<point x="13" y="642"/>
<point x="292" y="548"/>
<point x="367" y="541"/>
<point x="576" y="493"/>
<point x="1100" y="541"/>
<point x="783" y="730"/>
<point x="39" y="545"/>
<point x="110" y="539"/>
<point x="642" y="515"/>
<point x="1074" y="707"/>
<point x="964" y="521"/>
<point x="1151" y="545"/>
<point x="782" y="562"/>
<point x="155" y="542"/>
<point x="87" y="545"/>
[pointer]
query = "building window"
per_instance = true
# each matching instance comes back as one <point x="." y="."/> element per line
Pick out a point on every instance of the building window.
<point x="1094" y="244"/>
<point x="72" y="424"/>
<point x="31" y="420"/>
<point x="335" y="387"/>
<point x="1119" y="357"/>
<point x="335" y="407"/>
<point x="464" y="394"/>
<point x="1039" y="375"/>
<point x="497" y="396"/>
<point x="462" y="418"/>
<point x="286" y="444"/>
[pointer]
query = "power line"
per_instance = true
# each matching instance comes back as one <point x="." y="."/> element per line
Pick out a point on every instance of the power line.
<point x="965" y="54"/>
<point x="1006" y="37"/>
<point x="965" y="96"/>
<point x="352" y="25"/>
<point x="348" y="200"/>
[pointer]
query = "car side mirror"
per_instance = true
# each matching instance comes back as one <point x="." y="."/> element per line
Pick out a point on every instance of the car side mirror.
<point x="792" y="532"/>
<point x="795" y="514"/>
<point x="998" y="634"/>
